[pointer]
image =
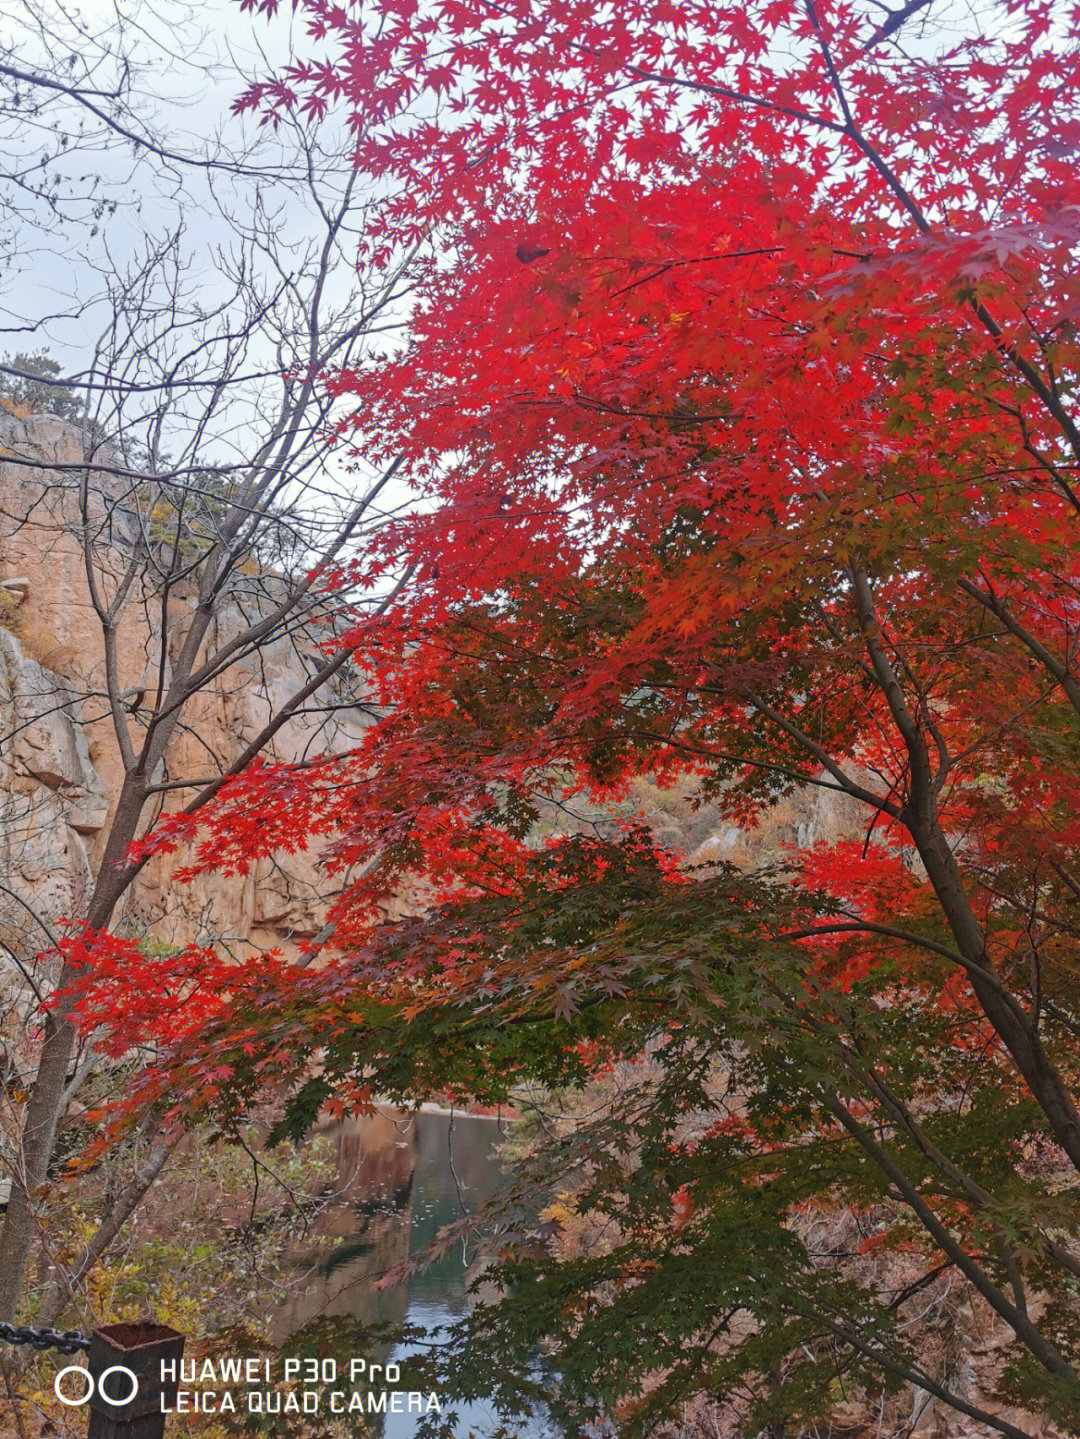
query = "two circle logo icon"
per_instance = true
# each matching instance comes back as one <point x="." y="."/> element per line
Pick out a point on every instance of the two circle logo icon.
<point x="104" y="1391"/>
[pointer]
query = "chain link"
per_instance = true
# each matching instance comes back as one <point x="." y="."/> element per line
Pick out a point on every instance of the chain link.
<point x="68" y="1341"/>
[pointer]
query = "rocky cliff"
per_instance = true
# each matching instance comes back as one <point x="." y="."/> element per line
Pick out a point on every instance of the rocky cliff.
<point x="60" y="763"/>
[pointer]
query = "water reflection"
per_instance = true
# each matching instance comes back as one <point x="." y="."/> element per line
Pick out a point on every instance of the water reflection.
<point x="401" y="1178"/>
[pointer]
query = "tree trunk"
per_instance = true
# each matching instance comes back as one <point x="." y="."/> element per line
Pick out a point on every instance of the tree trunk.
<point x="46" y="1098"/>
<point x="32" y="1159"/>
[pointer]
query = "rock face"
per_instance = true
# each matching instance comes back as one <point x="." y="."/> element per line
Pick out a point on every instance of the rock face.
<point x="41" y="712"/>
<point x="60" y="762"/>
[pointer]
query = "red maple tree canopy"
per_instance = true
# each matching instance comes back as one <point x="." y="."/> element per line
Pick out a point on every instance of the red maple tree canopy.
<point x="738" y="395"/>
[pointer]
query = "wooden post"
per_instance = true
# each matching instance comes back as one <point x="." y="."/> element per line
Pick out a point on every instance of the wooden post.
<point x="141" y="1348"/>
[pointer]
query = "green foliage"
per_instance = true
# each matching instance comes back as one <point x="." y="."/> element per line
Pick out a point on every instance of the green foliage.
<point x="750" y="1243"/>
<point x="35" y="386"/>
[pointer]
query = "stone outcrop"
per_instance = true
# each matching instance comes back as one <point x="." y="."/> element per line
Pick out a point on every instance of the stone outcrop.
<point x="60" y="763"/>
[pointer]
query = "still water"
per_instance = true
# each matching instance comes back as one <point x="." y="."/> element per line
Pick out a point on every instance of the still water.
<point x="401" y="1178"/>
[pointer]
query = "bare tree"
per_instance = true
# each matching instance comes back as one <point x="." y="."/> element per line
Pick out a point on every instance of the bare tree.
<point x="204" y="498"/>
<point x="79" y="101"/>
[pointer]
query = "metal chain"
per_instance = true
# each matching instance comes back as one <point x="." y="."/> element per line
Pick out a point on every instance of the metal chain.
<point x="68" y="1341"/>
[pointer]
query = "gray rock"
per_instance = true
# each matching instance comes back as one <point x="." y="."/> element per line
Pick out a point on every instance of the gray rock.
<point x="41" y="730"/>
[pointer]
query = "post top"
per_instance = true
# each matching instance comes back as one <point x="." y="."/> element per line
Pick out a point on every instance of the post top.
<point x="135" y="1334"/>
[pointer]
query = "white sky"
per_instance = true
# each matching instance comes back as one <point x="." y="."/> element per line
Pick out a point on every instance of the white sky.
<point x="194" y="59"/>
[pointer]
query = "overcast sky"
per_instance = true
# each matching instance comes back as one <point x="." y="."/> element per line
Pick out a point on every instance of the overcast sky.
<point x="191" y="63"/>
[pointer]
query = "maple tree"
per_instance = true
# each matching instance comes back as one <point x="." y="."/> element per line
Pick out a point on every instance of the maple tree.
<point x="739" y="395"/>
